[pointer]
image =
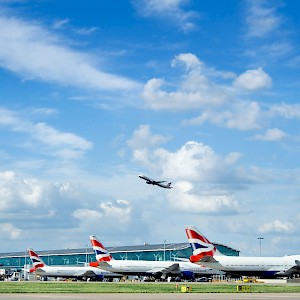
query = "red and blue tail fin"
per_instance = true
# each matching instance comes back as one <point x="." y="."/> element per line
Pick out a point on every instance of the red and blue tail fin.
<point x="37" y="262"/>
<point x="200" y="244"/>
<point x="101" y="253"/>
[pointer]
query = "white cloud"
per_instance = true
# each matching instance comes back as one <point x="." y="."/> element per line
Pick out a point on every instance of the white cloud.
<point x="188" y="200"/>
<point x="189" y="60"/>
<point x="109" y="214"/>
<point x="191" y="161"/>
<point x="203" y="181"/>
<point x="253" y="80"/>
<point x="46" y="58"/>
<point x="7" y="230"/>
<point x="143" y="137"/>
<point x="194" y="91"/>
<point x="277" y="226"/>
<point x="240" y="115"/>
<point x="61" y="144"/>
<point x="87" y="215"/>
<point x="194" y="162"/>
<point x="19" y="193"/>
<point x="201" y="89"/>
<point x="271" y="135"/>
<point x="16" y="191"/>
<point x="171" y="10"/>
<point x="288" y="111"/>
<point x="262" y="19"/>
<point x="119" y="211"/>
<point x="57" y="24"/>
<point x="53" y="137"/>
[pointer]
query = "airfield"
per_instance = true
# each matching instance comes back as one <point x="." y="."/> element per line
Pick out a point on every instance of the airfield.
<point x="137" y="290"/>
<point x="203" y="296"/>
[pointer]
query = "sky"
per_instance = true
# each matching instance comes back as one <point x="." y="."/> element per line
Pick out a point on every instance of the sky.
<point x="204" y="94"/>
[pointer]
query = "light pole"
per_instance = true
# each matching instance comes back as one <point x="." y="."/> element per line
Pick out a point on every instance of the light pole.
<point x="165" y="250"/>
<point x="86" y="254"/>
<point x="260" y="239"/>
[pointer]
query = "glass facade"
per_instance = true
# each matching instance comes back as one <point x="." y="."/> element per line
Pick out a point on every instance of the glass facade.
<point x="160" y="252"/>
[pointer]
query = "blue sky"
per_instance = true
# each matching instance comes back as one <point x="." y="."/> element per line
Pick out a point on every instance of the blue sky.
<point x="200" y="93"/>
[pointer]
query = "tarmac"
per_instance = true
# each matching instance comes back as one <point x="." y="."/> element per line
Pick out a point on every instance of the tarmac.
<point x="167" y="296"/>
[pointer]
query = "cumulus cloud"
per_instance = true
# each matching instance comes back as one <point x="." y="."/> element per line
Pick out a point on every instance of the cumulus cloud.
<point x="241" y="115"/>
<point x="7" y="230"/>
<point x="189" y="60"/>
<point x="203" y="180"/>
<point x="87" y="215"/>
<point x="46" y="58"/>
<point x="143" y="137"/>
<point x="211" y="92"/>
<point x="193" y="161"/>
<point x="61" y="144"/>
<point x="171" y="10"/>
<point x="16" y="191"/>
<point x="111" y="213"/>
<point x="120" y="211"/>
<point x="194" y="91"/>
<point x="253" y="80"/>
<point x="31" y="194"/>
<point x="271" y="135"/>
<point x="277" y="226"/>
<point x="187" y="199"/>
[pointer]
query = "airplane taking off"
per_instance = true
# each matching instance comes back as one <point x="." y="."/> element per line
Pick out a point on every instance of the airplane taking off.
<point x="206" y="254"/>
<point x="40" y="268"/>
<point x="158" y="269"/>
<point x="154" y="182"/>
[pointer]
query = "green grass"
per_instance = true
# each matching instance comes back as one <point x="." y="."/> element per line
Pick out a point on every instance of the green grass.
<point x="98" y="287"/>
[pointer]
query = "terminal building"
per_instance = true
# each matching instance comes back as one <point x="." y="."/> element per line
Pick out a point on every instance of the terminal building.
<point x="158" y="252"/>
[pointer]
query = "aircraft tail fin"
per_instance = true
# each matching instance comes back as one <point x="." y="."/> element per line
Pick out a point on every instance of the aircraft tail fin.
<point x="37" y="262"/>
<point x="202" y="248"/>
<point x="101" y="253"/>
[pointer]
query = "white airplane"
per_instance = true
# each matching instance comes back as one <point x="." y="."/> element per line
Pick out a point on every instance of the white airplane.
<point x="158" y="269"/>
<point x="206" y="254"/>
<point x="154" y="182"/>
<point x="40" y="268"/>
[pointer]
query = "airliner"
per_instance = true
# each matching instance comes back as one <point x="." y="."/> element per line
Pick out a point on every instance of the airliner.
<point x="158" y="269"/>
<point x="155" y="182"/>
<point x="206" y="254"/>
<point x="40" y="268"/>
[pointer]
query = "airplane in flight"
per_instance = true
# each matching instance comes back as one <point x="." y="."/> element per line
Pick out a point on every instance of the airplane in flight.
<point x="158" y="183"/>
<point x="206" y="254"/>
<point x="40" y="268"/>
<point x="158" y="269"/>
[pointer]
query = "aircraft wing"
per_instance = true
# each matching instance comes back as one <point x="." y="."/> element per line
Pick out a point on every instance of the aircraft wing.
<point x="293" y="270"/>
<point x="174" y="269"/>
<point x="208" y="259"/>
<point x="145" y="178"/>
<point x="89" y="273"/>
<point x="210" y="262"/>
<point x="102" y="265"/>
<point x="38" y="271"/>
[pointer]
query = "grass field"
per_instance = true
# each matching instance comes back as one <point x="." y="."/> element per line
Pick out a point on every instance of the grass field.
<point x="98" y="287"/>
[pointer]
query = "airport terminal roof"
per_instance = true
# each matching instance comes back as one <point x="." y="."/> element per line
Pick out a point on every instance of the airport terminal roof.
<point x="135" y="248"/>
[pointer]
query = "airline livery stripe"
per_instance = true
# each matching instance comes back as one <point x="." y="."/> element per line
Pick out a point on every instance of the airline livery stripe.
<point x="194" y="235"/>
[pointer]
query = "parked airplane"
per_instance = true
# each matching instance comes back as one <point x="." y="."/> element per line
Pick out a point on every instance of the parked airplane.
<point x="154" y="182"/>
<point x="40" y="268"/>
<point x="206" y="254"/>
<point x="158" y="269"/>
